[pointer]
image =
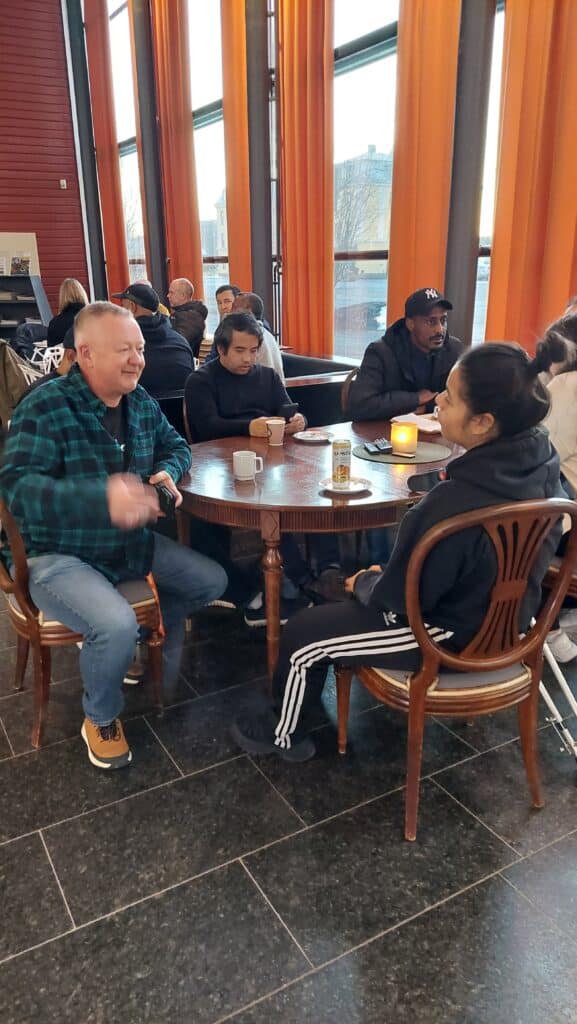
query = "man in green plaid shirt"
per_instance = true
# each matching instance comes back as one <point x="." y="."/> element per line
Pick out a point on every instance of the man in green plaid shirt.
<point x="80" y="457"/>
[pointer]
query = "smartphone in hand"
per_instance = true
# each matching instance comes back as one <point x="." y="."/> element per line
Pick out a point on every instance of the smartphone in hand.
<point x="288" y="410"/>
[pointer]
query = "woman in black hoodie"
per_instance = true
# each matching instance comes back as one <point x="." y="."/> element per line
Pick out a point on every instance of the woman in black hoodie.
<point x="71" y="299"/>
<point x="492" y="406"/>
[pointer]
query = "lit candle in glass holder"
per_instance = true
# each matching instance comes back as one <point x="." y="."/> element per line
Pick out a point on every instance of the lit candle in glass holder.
<point x="404" y="439"/>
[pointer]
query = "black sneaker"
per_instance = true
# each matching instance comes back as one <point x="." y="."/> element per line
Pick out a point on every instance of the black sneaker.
<point x="255" y="617"/>
<point x="255" y="735"/>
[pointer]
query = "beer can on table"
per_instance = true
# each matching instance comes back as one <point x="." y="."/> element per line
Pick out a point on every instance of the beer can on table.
<point x="341" y="465"/>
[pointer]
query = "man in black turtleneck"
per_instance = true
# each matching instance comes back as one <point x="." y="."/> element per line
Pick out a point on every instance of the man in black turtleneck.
<point x="233" y="395"/>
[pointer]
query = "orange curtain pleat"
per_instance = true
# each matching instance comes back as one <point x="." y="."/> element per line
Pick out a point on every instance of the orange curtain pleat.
<point x="172" y="61"/>
<point x="534" y="250"/>
<point x="305" y="76"/>
<point x="235" y="111"/>
<point x="427" y="58"/>
<point x="107" y="159"/>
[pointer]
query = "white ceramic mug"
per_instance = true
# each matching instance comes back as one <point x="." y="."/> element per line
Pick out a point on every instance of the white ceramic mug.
<point x="246" y="464"/>
<point x="275" y="429"/>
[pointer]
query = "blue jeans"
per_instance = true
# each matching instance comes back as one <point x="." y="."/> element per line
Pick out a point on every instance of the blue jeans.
<point x="71" y="591"/>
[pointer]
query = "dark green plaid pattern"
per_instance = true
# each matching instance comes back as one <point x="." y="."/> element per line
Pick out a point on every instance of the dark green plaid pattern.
<point x="57" y="460"/>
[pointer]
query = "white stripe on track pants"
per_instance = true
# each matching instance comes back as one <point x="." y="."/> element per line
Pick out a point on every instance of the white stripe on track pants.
<point x="347" y="633"/>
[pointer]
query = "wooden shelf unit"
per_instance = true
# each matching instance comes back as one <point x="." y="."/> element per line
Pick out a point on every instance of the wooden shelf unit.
<point x="22" y="297"/>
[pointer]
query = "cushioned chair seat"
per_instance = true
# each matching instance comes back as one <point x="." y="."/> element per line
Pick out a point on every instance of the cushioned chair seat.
<point x="137" y="592"/>
<point x="452" y="682"/>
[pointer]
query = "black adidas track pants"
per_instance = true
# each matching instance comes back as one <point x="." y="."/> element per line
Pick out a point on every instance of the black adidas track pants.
<point x="346" y="633"/>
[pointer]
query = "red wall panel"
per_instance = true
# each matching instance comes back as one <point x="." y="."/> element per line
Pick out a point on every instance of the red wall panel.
<point x="37" y="142"/>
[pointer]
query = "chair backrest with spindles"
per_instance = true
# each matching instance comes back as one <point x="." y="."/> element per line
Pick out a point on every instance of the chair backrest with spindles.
<point x="517" y="532"/>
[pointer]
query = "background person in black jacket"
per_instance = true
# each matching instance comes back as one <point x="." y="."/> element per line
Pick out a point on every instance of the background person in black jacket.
<point x="167" y="355"/>
<point x="492" y="405"/>
<point x="188" y="314"/>
<point x="71" y="299"/>
<point x="405" y="370"/>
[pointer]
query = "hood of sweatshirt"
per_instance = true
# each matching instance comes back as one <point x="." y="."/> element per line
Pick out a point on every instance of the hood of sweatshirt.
<point x="155" y="329"/>
<point x="515" y="468"/>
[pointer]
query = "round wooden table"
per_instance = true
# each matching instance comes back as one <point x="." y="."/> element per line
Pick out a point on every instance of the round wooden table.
<point x="287" y="497"/>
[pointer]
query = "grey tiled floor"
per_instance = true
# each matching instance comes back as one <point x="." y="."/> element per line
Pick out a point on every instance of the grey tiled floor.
<point x="202" y="885"/>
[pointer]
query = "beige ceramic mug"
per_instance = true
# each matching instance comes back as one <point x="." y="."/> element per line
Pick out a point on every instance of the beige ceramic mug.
<point x="246" y="464"/>
<point x="275" y="429"/>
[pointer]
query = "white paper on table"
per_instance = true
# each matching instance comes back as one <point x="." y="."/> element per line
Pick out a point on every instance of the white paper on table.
<point x="426" y="424"/>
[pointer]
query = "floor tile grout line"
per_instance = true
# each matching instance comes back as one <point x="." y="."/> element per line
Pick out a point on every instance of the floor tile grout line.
<point x="121" y="799"/>
<point x="7" y="737"/>
<point x="125" y="718"/>
<point x="133" y="796"/>
<point x="541" y="910"/>
<point x="443" y="725"/>
<point x="317" y="968"/>
<point x="167" y="752"/>
<point x="477" y="818"/>
<point x="183" y="678"/>
<point x="120" y="910"/>
<point x="278" y="792"/>
<point x="275" y="912"/>
<point x="58" y="882"/>
<point x="540" y="849"/>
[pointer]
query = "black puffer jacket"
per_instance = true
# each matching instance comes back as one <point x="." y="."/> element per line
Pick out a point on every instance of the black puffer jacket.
<point x="190" y="320"/>
<point x="167" y="355"/>
<point x="385" y="385"/>
<point x="460" y="571"/>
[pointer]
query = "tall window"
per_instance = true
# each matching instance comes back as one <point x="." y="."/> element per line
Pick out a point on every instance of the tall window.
<point x="365" y="82"/>
<point x="489" y="182"/>
<point x="125" y="113"/>
<point x="206" y="93"/>
<point x="211" y="186"/>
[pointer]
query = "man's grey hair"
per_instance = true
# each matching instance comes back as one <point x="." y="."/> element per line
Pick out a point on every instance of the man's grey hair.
<point x="95" y="311"/>
<point x="186" y="286"/>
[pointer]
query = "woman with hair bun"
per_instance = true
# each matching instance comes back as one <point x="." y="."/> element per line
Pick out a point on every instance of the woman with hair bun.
<point x="492" y="407"/>
<point x="71" y="299"/>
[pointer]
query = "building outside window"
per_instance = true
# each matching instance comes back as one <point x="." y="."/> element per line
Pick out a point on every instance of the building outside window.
<point x="365" y="80"/>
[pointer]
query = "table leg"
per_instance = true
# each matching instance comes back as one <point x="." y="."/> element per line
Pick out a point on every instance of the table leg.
<point x="272" y="568"/>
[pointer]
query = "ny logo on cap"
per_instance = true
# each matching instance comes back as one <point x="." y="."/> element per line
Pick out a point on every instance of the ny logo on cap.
<point x="431" y="293"/>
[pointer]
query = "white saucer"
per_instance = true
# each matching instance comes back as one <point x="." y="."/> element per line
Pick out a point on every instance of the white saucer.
<point x="356" y="486"/>
<point x="313" y="436"/>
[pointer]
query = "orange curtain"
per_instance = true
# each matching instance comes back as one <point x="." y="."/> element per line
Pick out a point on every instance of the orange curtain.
<point x="235" y="111"/>
<point x="305" y="77"/>
<point x="107" y="160"/>
<point x="427" y="57"/>
<point x="170" y="41"/>
<point x="534" y="251"/>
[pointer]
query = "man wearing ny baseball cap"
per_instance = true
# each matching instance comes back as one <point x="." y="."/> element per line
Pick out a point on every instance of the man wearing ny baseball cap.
<point x="406" y="369"/>
<point x="167" y="354"/>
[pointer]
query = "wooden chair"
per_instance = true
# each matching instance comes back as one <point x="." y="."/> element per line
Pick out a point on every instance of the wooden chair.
<point x="347" y="388"/>
<point x="35" y="631"/>
<point x="500" y="668"/>
<point x="204" y="348"/>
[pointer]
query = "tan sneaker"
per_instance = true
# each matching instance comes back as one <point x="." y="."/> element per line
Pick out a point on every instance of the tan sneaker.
<point x="106" y="744"/>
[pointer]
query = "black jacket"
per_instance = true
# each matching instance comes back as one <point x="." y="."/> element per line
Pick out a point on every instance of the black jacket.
<point x="385" y="385"/>
<point x="222" y="404"/>
<point x="189" y="320"/>
<point x="460" y="572"/>
<point x="167" y="356"/>
<point x="59" y="324"/>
